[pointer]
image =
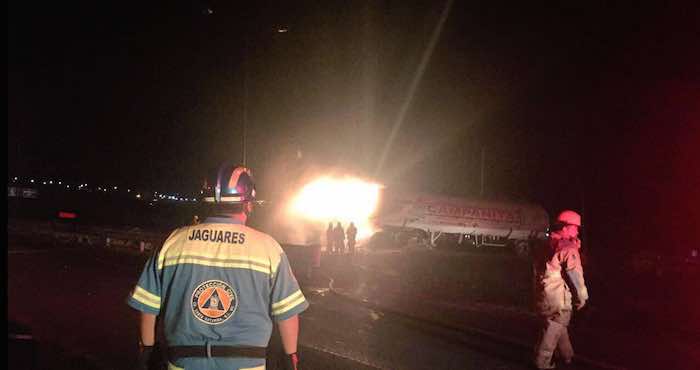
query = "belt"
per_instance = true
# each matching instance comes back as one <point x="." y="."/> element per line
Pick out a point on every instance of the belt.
<point x="208" y="350"/>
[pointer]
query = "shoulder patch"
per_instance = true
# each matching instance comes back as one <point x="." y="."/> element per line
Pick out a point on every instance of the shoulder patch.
<point x="214" y="302"/>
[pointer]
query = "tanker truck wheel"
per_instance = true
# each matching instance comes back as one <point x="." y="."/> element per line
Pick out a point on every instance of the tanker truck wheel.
<point x="522" y="249"/>
<point x="382" y="240"/>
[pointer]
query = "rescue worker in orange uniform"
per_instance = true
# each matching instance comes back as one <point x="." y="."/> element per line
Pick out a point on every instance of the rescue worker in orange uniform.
<point x="559" y="288"/>
<point x="330" y="239"/>
<point x="339" y="238"/>
<point x="352" y="238"/>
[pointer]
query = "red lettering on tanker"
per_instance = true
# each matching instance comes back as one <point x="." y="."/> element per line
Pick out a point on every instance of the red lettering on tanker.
<point x="476" y="213"/>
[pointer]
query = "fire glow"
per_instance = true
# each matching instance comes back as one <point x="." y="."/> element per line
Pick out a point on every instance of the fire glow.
<point x="343" y="200"/>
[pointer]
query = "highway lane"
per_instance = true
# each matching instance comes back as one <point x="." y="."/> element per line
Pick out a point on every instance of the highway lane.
<point x="72" y="300"/>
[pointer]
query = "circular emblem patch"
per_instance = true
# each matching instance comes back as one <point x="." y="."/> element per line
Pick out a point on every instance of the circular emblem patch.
<point x="214" y="302"/>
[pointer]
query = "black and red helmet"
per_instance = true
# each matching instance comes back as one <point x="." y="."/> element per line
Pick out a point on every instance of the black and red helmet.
<point x="233" y="184"/>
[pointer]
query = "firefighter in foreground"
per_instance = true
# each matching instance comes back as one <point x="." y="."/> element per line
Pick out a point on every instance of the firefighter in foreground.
<point x="218" y="286"/>
<point x="559" y="287"/>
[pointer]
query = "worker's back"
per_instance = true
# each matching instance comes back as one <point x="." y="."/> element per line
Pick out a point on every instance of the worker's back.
<point x="219" y="282"/>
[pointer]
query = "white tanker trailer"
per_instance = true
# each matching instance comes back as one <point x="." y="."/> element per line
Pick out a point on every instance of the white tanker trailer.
<point x="430" y="219"/>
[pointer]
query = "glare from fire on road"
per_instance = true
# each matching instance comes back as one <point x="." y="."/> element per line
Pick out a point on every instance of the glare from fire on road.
<point x="330" y="199"/>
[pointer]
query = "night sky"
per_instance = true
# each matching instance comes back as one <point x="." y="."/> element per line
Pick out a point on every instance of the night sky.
<point x="588" y="105"/>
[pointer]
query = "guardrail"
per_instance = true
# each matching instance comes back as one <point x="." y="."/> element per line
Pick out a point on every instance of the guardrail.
<point x="129" y="239"/>
<point x="133" y="239"/>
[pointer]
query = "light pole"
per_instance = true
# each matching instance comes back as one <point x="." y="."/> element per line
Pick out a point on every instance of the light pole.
<point x="245" y="91"/>
<point x="483" y="159"/>
<point x="245" y="96"/>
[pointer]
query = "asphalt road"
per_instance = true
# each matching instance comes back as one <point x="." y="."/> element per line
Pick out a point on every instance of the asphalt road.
<point x="386" y="341"/>
<point x="67" y="310"/>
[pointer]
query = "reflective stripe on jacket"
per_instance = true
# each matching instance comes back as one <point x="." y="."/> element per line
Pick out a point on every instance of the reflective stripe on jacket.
<point x="553" y="287"/>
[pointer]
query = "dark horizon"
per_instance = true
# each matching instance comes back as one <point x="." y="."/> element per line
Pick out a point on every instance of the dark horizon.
<point x="586" y="106"/>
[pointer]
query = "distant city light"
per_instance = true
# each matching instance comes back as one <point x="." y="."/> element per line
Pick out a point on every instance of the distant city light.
<point x="175" y="197"/>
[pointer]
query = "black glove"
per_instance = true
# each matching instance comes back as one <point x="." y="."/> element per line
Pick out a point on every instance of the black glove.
<point x="143" y="359"/>
<point x="291" y="361"/>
